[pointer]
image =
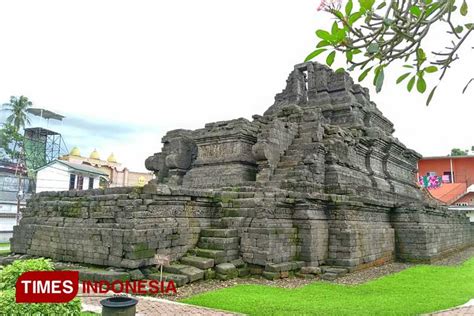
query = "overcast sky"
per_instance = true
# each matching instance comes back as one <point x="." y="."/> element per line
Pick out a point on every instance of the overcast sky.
<point x="125" y="72"/>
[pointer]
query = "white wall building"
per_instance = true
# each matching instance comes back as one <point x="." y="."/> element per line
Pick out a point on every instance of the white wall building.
<point x="61" y="175"/>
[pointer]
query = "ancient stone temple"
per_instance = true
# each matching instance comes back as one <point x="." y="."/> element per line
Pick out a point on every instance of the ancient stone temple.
<point x="318" y="179"/>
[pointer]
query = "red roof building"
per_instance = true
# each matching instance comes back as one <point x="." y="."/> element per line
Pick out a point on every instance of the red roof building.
<point x="456" y="172"/>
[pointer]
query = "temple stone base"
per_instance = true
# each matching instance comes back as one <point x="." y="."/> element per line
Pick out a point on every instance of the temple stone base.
<point x="318" y="179"/>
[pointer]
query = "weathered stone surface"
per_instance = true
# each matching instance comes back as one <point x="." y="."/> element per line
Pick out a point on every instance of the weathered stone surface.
<point x="102" y="275"/>
<point x="198" y="262"/>
<point x="310" y="270"/>
<point x="271" y="275"/>
<point x="136" y="275"/>
<point x="178" y="279"/>
<point x="319" y="179"/>
<point x="227" y="269"/>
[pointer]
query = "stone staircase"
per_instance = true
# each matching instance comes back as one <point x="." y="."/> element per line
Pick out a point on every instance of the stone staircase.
<point x="292" y="171"/>
<point x="216" y="246"/>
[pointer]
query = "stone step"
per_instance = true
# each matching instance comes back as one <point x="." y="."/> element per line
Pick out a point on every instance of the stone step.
<point x="209" y="253"/>
<point x="219" y="256"/>
<point x="178" y="279"/>
<point x="198" y="262"/>
<point x="219" y="232"/>
<point x="219" y="243"/>
<point x="191" y="272"/>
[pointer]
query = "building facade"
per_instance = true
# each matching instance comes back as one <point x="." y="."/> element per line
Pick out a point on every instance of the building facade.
<point x="62" y="175"/>
<point x="455" y="176"/>
<point x="10" y="174"/>
<point x="118" y="176"/>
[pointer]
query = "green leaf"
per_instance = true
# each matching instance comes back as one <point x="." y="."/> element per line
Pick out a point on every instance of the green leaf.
<point x="340" y="70"/>
<point x="364" y="74"/>
<point x="411" y="83"/>
<point x="469" y="26"/>
<point x="420" y="56"/>
<point x="421" y="84"/>
<point x="338" y="14"/>
<point x="335" y="28"/>
<point x="354" y="17"/>
<point x="402" y="77"/>
<point x="340" y="36"/>
<point x="325" y="35"/>
<point x="382" y="5"/>
<point x="366" y="4"/>
<point x="415" y="10"/>
<point x="464" y="8"/>
<point x="408" y="66"/>
<point x="323" y="43"/>
<point x="380" y="76"/>
<point x="431" y="69"/>
<point x="314" y="54"/>
<point x="349" y="7"/>
<point x="373" y="48"/>
<point x="349" y="55"/>
<point x="458" y="29"/>
<point x="430" y="97"/>
<point x="330" y="58"/>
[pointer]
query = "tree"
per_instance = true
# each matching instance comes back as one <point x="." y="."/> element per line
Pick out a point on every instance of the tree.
<point x="11" y="140"/>
<point x="458" y="152"/>
<point x="374" y="34"/>
<point x="18" y="108"/>
<point x="11" y="143"/>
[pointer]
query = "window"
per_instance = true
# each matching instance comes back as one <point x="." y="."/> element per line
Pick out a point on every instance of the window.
<point x="80" y="182"/>
<point x="72" y="181"/>
<point x="431" y="173"/>
<point x="447" y="177"/>
<point x="91" y="183"/>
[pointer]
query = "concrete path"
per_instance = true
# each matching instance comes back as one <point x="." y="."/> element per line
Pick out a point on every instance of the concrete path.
<point x="466" y="309"/>
<point x="154" y="306"/>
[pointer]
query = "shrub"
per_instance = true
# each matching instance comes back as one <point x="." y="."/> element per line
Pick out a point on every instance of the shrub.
<point x="9" y="307"/>
<point x="10" y="273"/>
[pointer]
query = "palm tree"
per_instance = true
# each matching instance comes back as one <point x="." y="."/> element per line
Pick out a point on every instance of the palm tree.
<point x="18" y="108"/>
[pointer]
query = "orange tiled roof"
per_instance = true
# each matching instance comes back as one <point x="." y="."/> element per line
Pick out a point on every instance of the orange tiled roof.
<point x="448" y="192"/>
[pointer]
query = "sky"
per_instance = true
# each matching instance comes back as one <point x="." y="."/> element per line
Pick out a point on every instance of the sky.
<point x="125" y="72"/>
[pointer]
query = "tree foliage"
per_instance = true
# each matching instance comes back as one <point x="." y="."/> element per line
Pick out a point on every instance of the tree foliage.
<point x="459" y="152"/>
<point x="18" y="111"/>
<point x="11" y="143"/>
<point x="373" y="34"/>
<point x="11" y="140"/>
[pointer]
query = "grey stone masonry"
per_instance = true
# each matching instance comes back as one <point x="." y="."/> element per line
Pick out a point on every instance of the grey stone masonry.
<point x="318" y="179"/>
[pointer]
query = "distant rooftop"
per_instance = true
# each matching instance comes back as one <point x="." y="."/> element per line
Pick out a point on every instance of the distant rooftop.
<point x="77" y="167"/>
<point x="46" y="114"/>
<point x="447" y="157"/>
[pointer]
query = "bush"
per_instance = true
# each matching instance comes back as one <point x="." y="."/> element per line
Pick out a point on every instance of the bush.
<point x="10" y="273"/>
<point x="9" y="307"/>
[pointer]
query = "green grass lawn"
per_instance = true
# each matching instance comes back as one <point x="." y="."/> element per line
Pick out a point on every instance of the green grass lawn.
<point x="417" y="290"/>
<point x="4" y="248"/>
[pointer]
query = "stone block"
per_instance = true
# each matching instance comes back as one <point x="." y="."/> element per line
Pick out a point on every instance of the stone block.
<point x="227" y="269"/>
<point x="136" y="275"/>
<point x="271" y="275"/>
<point x="310" y="270"/>
<point x="178" y="279"/>
<point x="198" y="262"/>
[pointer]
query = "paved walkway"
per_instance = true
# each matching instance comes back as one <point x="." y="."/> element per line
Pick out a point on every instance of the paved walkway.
<point x="466" y="309"/>
<point x="154" y="306"/>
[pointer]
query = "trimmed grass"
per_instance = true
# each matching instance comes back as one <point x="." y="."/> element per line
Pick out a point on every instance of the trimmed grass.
<point x="417" y="290"/>
<point x="4" y="248"/>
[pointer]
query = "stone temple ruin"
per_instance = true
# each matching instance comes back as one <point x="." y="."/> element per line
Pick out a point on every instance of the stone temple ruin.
<point x="318" y="180"/>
